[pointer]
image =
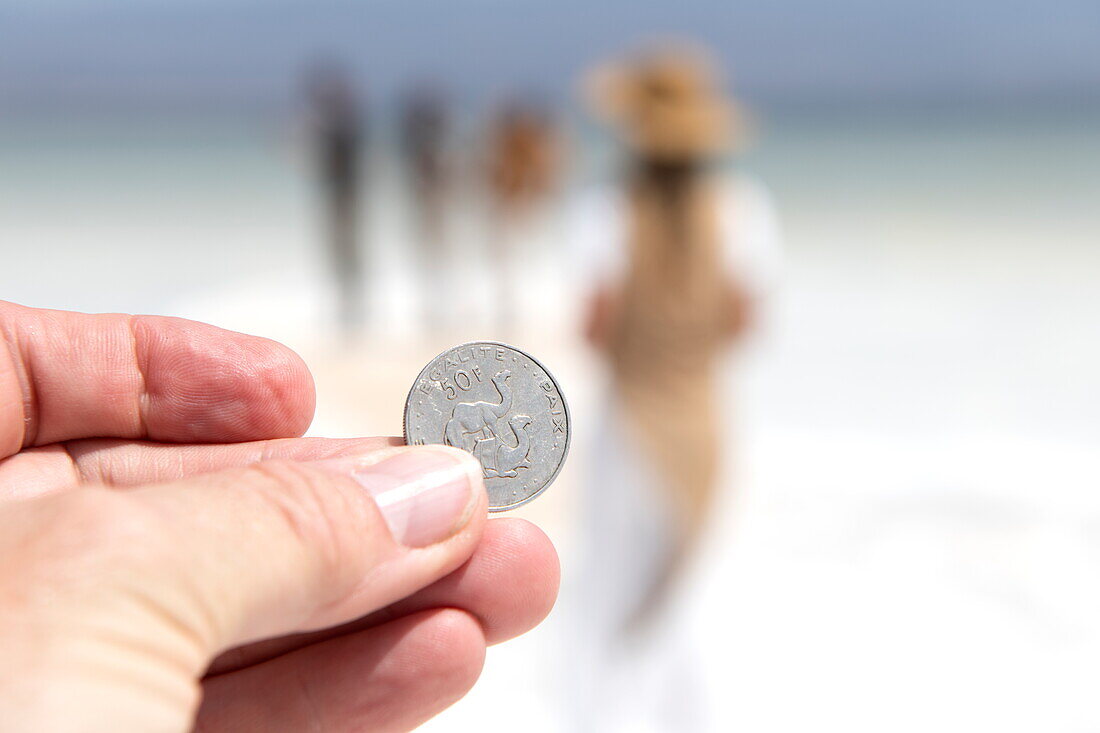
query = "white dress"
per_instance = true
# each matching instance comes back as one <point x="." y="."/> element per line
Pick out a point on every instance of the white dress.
<point x="617" y="682"/>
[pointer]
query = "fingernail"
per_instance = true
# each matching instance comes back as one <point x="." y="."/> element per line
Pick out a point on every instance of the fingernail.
<point x="425" y="493"/>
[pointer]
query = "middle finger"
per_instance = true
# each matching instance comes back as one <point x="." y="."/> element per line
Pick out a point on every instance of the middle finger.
<point x="509" y="585"/>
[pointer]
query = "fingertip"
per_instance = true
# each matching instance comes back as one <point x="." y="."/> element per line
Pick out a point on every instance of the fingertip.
<point x="206" y="384"/>
<point x="285" y="381"/>
<point x="427" y="494"/>
<point x="476" y="513"/>
<point x="541" y="569"/>
<point x="524" y="553"/>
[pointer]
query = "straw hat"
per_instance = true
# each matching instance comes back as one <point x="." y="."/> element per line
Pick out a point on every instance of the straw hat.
<point x="665" y="104"/>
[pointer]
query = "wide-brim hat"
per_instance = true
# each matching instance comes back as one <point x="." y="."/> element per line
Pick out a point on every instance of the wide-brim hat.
<point x="665" y="104"/>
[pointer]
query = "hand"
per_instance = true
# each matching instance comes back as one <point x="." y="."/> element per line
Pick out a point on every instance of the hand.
<point x="284" y="584"/>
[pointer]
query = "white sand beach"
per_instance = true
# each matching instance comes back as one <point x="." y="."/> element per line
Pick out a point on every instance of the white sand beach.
<point x="911" y="540"/>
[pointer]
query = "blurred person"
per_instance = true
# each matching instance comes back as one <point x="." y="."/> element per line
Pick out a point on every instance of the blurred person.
<point x="176" y="558"/>
<point x="522" y="169"/>
<point x="425" y="126"/>
<point x="336" y="130"/>
<point x="523" y="157"/>
<point x="674" y="290"/>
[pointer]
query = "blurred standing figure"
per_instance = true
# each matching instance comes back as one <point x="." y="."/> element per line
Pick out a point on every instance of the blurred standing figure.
<point x="522" y="169"/>
<point x="424" y="130"/>
<point x="336" y="132"/>
<point x="671" y="296"/>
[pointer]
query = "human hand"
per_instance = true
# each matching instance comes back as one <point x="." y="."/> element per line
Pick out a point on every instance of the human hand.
<point x="283" y="583"/>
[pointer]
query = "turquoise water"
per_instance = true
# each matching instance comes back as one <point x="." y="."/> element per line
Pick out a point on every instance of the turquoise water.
<point x="105" y="215"/>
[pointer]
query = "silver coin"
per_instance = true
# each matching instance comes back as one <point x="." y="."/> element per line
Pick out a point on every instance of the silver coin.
<point x="500" y="404"/>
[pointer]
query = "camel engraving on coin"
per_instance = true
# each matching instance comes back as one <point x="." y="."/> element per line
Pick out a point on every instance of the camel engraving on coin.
<point x="501" y="405"/>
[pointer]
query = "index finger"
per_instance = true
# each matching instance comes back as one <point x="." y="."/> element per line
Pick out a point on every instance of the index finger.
<point x="72" y="375"/>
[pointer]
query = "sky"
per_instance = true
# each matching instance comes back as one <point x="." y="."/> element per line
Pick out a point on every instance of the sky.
<point x="251" y="51"/>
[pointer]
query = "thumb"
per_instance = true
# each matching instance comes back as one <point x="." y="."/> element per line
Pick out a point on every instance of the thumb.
<point x="281" y="547"/>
